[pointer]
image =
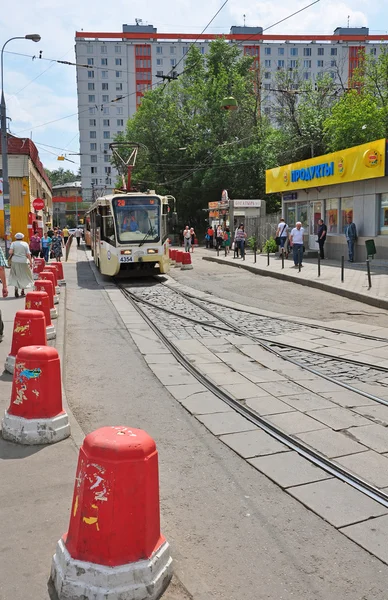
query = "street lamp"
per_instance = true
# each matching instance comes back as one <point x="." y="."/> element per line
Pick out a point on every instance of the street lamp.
<point x="4" y="143"/>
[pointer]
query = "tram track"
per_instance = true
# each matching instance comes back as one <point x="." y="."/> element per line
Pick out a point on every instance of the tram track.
<point x="144" y="306"/>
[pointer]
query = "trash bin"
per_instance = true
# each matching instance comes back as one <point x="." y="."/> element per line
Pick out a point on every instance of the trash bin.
<point x="370" y="248"/>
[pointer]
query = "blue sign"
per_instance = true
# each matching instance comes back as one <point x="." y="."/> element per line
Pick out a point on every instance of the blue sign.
<point x="316" y="172"/>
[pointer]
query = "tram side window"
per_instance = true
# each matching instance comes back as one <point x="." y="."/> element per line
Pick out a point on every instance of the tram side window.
<point x="108" y="228"/>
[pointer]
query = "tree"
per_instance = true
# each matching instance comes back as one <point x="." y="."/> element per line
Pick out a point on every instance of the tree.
<point x="60" y="176"/>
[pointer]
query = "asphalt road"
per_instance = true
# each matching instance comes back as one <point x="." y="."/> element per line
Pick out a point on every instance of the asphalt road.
<point x="234" y="533"/>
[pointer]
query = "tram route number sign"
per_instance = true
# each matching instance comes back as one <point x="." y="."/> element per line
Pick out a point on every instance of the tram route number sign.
<point x="126" y="259"/>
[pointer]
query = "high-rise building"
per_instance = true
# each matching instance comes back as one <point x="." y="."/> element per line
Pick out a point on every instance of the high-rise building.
<point x="115" y="69"/>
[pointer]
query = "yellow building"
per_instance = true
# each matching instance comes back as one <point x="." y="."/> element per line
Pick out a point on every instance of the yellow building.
<point x="27" y="182"/>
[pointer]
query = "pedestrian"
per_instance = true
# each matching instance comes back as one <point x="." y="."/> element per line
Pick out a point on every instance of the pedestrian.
<point x="187" y="238"/>
<point x="50" y="231"/>
<point x="296" y="242"/>
<point x="3" y="279"/>
<point x="35" y="244"/>
<point x="21" y="272"/>
<point x="65" y="233"/>
<point x="56" y="246"/>
<point x="351" y="235"/>
<point x="322" y="231"/>
<point x="45" y="245"/>
<point x="78" y="235"/>
<point x="192" y="233"/>
<point x="210" y="233"/>
<point x="219" y="237"/>
<point x="282" y="237"/>
<point x="239" y="240"/>
<point x="227" y="237"/>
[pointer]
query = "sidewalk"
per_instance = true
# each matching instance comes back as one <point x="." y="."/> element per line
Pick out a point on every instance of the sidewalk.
<point x="355" y="285"/>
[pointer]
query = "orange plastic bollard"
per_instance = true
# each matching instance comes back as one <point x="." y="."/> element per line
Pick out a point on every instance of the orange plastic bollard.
<point x="40" y="301"/>
<point x="49" y="276"/>
<point x="114" y="521"/>
<point x="45" y="285"/>
<point x="39" y="264"/>
<point x="50" y="268"/>
<point x="179" y="258"/>
<point x="29" y="328"/>
<point x="186" y="261"/>
<point x="172" y="256"/>
<point x="35" y="414"/>
<point x="59" y="267"/>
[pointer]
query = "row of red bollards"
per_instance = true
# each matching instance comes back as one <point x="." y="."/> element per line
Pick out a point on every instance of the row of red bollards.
<point x="180" y="259"/>
<point x="113" y="548"/>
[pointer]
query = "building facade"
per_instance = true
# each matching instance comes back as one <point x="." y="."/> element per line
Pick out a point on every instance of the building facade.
<point x="28" y="181"/>
<point x="68" y="208"/>
<point x="115" y="69"/>
<point x="352" y="182"/>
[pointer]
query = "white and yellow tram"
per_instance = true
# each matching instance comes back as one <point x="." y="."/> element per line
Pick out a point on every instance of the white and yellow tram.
<point x="128" y="232"/>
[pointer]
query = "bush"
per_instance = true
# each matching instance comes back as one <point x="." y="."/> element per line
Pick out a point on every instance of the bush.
<point x="252" y="242"/>
<point x="270" y="246"/>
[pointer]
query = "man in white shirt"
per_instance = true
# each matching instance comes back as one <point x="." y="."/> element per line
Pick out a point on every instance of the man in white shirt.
<point x="296" y="242"/>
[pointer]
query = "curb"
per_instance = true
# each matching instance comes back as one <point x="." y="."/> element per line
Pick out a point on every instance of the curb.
<point x="377" y="302"/>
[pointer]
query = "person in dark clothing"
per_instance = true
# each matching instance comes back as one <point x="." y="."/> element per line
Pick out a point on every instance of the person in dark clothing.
<point x="322" y="231"/>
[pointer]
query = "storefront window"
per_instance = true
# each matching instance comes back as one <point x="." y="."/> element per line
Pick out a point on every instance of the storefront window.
<point x="384" y="214"/>
<point x="290" y="215"/>
<point x="332" y="207"/>
<point x="346" y="210"/>
<point x="302" y="213"/>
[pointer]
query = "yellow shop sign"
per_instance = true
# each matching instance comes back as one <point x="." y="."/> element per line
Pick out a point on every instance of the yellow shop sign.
<point x="361" y="162"/>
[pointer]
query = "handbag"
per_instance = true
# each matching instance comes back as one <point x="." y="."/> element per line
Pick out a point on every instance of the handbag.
<point x="233" y="245"/>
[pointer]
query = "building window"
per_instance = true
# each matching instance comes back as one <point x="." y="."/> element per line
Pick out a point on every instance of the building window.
<point x="105" y="97"/>
<point x="306" y="51"/>
<point x="384" y="214"/>
<point x="159" y="62"/>
<point x="346" y="211"/>
<point x="119" y="74"/>
<point x="306" y="75"/>
<point x="92" y="135"/>
<point x="202" y="50"/>
<point x="333" y="51"/>
<point x="119" y="87"/>
<point x="108" y="170"/>
<point x="290" y="214"/>
<point x="92" y="122"/>
<point x="267" y="63"/>
<point x="104" y="62"/>
<point x="106" y="158"/>
<point x="267" y="110"/>
<point x="91" y="74"/>
<point x="159" y="50"/>
<point x="373" y="51"/>
<point x="333" y="63"/>
<point x="106" y="135"/>
<point x="172" y="49"/>
<point x="93" y="170"/>
<point x="90" y="62"/>
<point x="104" y="50"/>
<point x="319" y="63"/>
<point x="280" y="51"/>
<point x="120" y="122"/>
<point x="92" y="98"/>
<point x="89" y="49"/>
<point x="105" y="86"/>
<point x="280" y="64"/>
<point x="105" y="110"/>
<point x="94" y="180"/>
<point x="267" y="86"/>
<point x="185" y="50"/>
<point x="332" y="206"/>
<point x="307" y="64"/>
<point x="106" y="123"/>
<point x="93" y="158"/>
<point x="118" y="62"/>
<point x="90" y="87"/>
<point x="119" y="110"/>
<point x="160" y="73"/>
<point x="117" y="49"/>
<point x="93" y="146"/>
<point x="321" y="51"/>
<point x="173" y="62"/>
<point x="106" y="147"/>
<point x="294" y="51"/>
<point x="267" y="75"/>
<point x="92" y="110"/>
<point x="293" y="64"/>
<point x="104" y="74"/>
<point x="267" y="51"/>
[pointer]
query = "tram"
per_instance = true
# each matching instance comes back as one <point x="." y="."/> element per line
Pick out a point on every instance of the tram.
<point x="128" y="232"/>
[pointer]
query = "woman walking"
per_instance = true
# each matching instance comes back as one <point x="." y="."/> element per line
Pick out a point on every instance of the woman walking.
<point x="192" y="233"/>
<point x="20" y="256"/>
<point x="239" y="240"/>
<point x="45" y="244"/>
<point x="56" y="246"/>
<point x="227" y="237"/>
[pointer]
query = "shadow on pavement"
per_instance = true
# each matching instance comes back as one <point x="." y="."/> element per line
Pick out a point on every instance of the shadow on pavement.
<point x="12" y="451"/>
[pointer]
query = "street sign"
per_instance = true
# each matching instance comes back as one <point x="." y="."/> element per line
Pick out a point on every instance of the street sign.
<point x="38" y="204"/>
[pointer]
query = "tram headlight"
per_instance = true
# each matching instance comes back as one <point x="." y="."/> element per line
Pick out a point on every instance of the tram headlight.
<point x="152" y="251"/>
<point x="126" y="252"/>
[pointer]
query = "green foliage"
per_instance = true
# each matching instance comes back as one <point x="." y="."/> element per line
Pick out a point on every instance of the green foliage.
<point x="270" y="246"/>
<point x="60" y="176"/>
<point x="70" y="221"/>
<point x="252" y="242"/>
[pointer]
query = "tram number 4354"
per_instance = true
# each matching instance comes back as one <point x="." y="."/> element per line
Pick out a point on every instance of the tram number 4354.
<point x="126" y="259"/>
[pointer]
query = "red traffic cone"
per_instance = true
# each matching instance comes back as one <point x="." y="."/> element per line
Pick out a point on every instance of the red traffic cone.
<point x="39" y="264"/>
<point x="40" y="301"/>
<point x="178" y="258"/>
<point x="45" y="285"/>
<point x="49" y="276"/>
<point x="114" y="548"/>
<point x="52" y="269"/>
<point x="35" y="414"/>
<point x="186" y="261"/>
<point x="29" y="328"/>
<point x="172" y="256"/>
<point x="59" y="267"/>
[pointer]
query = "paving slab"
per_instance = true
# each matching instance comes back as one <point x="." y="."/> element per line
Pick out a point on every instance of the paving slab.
<point x="190" y="346"/>
<point x="331" y="443"/>
<point x="205" y="358"/>
<point x="228" y="378"/>
<point x="204" y="403"/>
<point x="338" y="418"/>
<point x="149" y="345"/>
<point x="307" y="401"/>
<point x="280" y="388"/>
<point x="184" y="391"/>
<point x="268" y="405"/>
<point x="337" y="502"/>
<point x="257" y="374"/>
<point x="228" y="422"/>
<point x="253" y="443"/>
<point x="172" y="375"/>
<point x="160" y="359"/>
<point x="369" y="465"/>
<point x="348" y="399"/>
<point x="295" y="422"/>
<point x="374" y="436"/>
<point x="320" y="385"/>
<point x="295" y="373"/>
<point x="241" y="391"/>
<point x="371" y="535"/>
<point x="216" y="368"/>
<point x="289" y="469"/>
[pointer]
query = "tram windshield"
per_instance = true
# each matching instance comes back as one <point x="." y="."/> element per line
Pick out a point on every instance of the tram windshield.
<point x="137" y="219"/>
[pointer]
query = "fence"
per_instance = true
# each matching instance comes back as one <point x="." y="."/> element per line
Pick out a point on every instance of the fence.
<point x="262" y="228"/>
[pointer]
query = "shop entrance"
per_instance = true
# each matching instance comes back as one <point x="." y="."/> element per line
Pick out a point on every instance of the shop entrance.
<point x="316" y="208"/>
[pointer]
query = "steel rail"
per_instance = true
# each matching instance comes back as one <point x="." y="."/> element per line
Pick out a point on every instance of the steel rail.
<point x="302" y="449"/>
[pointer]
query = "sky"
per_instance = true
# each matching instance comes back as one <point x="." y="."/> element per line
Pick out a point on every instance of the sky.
<point x="41" y="95"/>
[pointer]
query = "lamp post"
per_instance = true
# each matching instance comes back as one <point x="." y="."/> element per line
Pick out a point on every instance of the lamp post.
<point x="4" y="143"/>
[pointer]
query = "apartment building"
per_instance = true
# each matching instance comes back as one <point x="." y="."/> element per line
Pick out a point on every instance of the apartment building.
<point x="115" y="70"/>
